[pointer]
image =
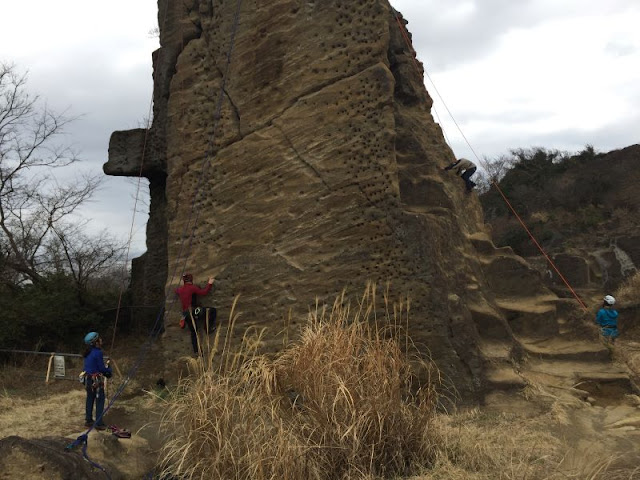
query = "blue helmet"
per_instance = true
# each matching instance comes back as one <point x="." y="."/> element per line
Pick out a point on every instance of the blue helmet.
<point x="91" y="337"/>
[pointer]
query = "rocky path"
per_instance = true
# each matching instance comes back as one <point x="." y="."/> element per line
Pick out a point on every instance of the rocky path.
<point x="544" y="359"/>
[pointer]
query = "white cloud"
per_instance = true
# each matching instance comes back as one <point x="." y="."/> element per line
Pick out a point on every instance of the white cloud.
<point x="558" y="74"/>
<point x="519" y="73"/>
<point x="94" y="60"/>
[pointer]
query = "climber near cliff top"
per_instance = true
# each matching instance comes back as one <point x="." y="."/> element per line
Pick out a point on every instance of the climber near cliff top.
<point x="465" y="168"/>
<point x="186" y="293"/>
<point x="607" y="318"/>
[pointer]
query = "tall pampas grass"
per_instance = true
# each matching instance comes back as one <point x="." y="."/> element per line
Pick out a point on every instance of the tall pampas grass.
<point x="342" y="401"/>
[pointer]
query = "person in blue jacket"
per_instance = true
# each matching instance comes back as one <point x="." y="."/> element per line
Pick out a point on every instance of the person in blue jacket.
<point x="607" y="318"/>
<point x="95" y="372"/>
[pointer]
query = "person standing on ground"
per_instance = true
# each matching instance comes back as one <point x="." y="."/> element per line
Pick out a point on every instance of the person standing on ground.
<point x="465" y="168"/>
<point x="95" y="372"/>
<point x="186" y="293"/>
<point x="607" y="318"/>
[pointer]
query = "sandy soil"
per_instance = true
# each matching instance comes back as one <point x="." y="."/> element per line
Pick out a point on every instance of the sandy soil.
<point x="589" y="407"/>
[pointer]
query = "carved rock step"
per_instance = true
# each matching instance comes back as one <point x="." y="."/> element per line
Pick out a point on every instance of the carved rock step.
<point x="562" y="349"/>
<point x="510" y="275"/>
<point x="485" y="247"/>
<point x="503" y="377"/>
<point x="530" y="316"/>
<point x="488" y="321"/>
<point x="569" y="373"/>
<point x="605" y="384"/>
<point x="597" y="383"/>
<point x="496" y="351"/>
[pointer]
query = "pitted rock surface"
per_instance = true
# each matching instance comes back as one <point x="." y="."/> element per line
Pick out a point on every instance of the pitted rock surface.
<point x="313" y="166"/>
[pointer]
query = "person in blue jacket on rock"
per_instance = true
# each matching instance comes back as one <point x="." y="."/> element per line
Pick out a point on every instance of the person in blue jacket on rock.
<point x="95" y="372"/>
<point x="607" y="318"/>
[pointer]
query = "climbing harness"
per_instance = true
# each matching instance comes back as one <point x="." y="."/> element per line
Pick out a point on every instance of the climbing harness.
<point x="94" y="380"/>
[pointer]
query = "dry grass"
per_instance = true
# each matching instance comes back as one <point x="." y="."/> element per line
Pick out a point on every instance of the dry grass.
<point x="628" y="294"/>
<point x="342" y="402"/>
<point x="52" y="413"/>
<point x="474" y="446"/>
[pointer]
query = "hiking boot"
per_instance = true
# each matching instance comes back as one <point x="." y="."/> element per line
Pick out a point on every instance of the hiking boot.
<point x="88" y="424"/>
<point x="101" y="426"/>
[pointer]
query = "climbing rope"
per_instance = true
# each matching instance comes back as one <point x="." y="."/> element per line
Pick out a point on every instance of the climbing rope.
<point x="405" y="35"/>
<point x="83" y="439"/>
<point x="183" y="252"/>
<point x="204" y="173"/>
<point x="133" y="220"/>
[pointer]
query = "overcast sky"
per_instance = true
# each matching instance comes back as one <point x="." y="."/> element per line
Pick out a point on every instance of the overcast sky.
<point x="558" y="74"/>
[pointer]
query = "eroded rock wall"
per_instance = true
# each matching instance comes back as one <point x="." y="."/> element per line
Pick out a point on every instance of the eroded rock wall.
<point x="323" y="171"/>
<point x="318" y="169"/>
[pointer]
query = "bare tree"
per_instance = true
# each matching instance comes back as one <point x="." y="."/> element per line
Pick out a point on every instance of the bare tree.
<point x="33" y="205"/>
<point x="81" y="256"/>
<point x="494" y="170"/>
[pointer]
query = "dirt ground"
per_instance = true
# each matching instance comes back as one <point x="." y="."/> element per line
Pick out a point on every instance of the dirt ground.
<point x="594" y="416"/>
<point x="31" y="408"/>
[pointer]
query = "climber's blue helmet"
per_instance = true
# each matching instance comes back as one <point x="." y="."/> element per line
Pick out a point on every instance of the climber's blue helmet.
<point x="91" y="337"/>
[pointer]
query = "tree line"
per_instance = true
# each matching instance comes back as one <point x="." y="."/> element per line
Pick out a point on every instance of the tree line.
<point x="56" y="279"/>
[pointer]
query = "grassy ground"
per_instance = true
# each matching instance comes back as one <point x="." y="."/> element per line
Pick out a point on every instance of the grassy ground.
<point x="341" y="402"/>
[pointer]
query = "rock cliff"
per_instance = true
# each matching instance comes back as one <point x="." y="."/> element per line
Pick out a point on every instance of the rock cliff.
<point x="306" y="162"/>
<point x="584" y="211"/>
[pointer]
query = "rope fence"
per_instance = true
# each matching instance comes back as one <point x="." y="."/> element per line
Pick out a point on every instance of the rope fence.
<point x="57" y="365"/>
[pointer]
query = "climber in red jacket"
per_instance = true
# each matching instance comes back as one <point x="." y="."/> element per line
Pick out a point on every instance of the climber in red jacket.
<point x="186" y="293"/>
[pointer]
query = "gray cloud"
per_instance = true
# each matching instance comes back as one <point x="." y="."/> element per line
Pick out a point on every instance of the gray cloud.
<point x="449" y="33"/>
<point x="444" y="38"/>
<point x="608" y="137"/>
<point x="107" y="81"/>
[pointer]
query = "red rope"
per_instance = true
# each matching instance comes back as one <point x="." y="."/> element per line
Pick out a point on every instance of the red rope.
<point x="566" y="282"/>
<point x="495" y="184"/>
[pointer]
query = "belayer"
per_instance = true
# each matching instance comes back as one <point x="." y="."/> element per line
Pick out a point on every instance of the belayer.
<point x="465" y="168"/>
<point x="607" y="318"/>
<point x="186" y="293"/>
<point x="94" y="372"/>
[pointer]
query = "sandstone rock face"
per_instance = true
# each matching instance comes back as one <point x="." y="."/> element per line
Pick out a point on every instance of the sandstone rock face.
<point x="314" y="165"/>
<point x="139" y="153"/>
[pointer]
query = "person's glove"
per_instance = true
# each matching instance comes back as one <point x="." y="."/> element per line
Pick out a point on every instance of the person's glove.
<point x="108" y="373"/>
<point x="182" y="323"/>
